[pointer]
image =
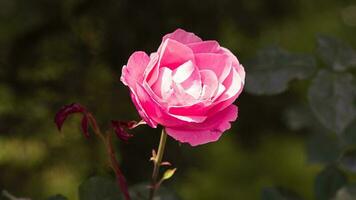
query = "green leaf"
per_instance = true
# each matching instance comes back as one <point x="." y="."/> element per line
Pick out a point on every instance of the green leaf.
<point x="57" y="197"/>
<point x="346" y="193"/>
<point x="273" y="68"/>
<point x="328" y="182"/>
<point x="349" y="135"/>
<point x="348" y="160"/>
<point x="279" y="194"/>
<point x="298" y="117"/>
<point x="168" y="173"/>
<point x="323" y="148"/>
<point x="332" y="99"/>
<point x="335" y="53"/>
<point x="99" y="188"/>
<point x="141" y="191"/>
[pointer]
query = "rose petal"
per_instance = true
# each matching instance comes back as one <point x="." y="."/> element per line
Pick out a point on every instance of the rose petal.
<point x="219" y="63"/>
<point x="235" y="63"/>
<point x="208" y="131"/>
<point x="233" y="85"/>
<point x="163" y="86"/>
<point x="134" y="70"/>
<point x="153" y="109"/>
<point x="210" y="84"/>
<point x="187" y="118"/>
<point x="182" y="36"/>
<point x="152" y="70"/>
<point x="198" y="109"/>
<point x="141" y="111"/>
<point x="157" y="111"/>
<point x="190" y="83"/>
<point x="232" y="92"/>
<point x="210" y="46"/>
<point x="242" y="73"/>
<point x="174" y="53"/>
<point x="183" y="72"/>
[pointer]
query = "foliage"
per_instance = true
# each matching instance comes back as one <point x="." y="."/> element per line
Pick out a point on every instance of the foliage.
<point x="273" y="68"/>
<point x="332" y="97"/>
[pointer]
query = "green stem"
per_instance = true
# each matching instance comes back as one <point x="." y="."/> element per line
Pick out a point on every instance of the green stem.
<point x="157" y="163"/>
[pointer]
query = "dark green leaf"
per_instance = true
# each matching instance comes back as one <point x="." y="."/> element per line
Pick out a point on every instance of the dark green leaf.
<point x="273" y="68"/>
<point x="346" y="193"/>
<point x="279" y="194"/>
<point x="99" y="188"/>
<point x="323" y="148"/>
<point x="335" y="53"/>
<point x="331" y="97"/>
<point x="141" y="191"/>
<point x="57" y="197"/>
<point x="348" y="160"/>
<point x="349" y="135"/>
<point x="299" y="117"/>
<point x="328" y="182"/>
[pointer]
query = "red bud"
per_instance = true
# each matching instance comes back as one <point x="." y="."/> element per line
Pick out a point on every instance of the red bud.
<point x="73" y="108"/>
<point x="119" y="128"/>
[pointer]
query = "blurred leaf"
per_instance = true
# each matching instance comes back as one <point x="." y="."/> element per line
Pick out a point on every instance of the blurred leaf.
<point x="328" y="181"/>
<point x="349" y="135"/>
<point x="279" y="194"/>
<point x="323" y="148"/>
<point x="299" y="117"/>
<point x="57" y="197"/>
<point x="347" y="192"/>
<point x="99" y="188"/>
<point x="331" y="97"/>
<point x="141" y="191"/>
<point x="273" y="68"/>
<point x="335" y="53"/>
<point x="168" y="173"/>
<point x="348" y="160"/>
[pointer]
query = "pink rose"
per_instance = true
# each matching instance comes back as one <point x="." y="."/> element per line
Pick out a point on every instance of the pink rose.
<point x="187" y="86"/>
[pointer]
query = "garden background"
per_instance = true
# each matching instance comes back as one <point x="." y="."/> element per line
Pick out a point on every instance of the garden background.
<point x="58" y="52"/>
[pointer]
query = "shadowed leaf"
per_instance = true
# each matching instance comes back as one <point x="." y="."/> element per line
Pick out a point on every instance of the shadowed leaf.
<point x="331" y="97"/>
<point x="328" y="181"/>
<point x="279" y="194"/>
<point x="323" y="148"/>
<point x="141" y="191"/>
<point x="349" y="135"/>
<point x="348" y="160"/>
<point x="273" y="68"/>
<point x="335" y="53"/>
<point x="99" y="188"/>
<point x="347" y="192"/>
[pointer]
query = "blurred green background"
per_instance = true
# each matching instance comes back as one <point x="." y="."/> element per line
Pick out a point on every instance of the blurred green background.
<point x="62" y="51"/>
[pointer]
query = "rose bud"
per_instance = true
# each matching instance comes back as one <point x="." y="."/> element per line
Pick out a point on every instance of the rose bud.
<point x="67" y="110"/>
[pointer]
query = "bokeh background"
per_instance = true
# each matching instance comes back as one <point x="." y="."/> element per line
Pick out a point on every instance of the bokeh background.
<point x="62" y="51"/>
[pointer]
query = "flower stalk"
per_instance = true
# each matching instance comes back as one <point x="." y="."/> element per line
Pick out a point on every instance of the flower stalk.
<point x="89" y="119"/>
<point x="157" y="160"/>
<point x="114" y="164"/>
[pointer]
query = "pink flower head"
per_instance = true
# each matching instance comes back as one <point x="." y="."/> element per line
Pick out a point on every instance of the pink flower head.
<point x="188" y="86"/>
